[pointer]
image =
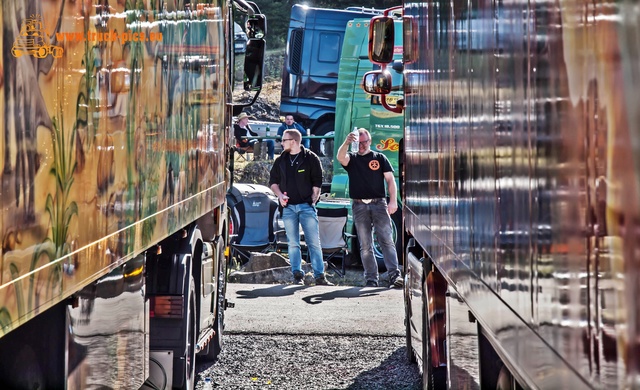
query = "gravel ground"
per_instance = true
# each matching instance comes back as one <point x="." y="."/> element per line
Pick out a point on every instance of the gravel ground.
<point x="250" y="361"/>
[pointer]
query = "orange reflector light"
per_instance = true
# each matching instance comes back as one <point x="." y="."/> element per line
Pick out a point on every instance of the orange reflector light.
<point x="165" y="306"/>
<point x="134" y="272"/>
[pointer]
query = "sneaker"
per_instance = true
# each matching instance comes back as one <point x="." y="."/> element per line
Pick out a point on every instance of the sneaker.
<point x="322" y="281"/>
<point x="298" y="278"/>
<point x="396" y="282"/>
<point x="371" y="283"/>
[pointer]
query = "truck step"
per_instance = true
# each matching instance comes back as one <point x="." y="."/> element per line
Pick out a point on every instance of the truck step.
<point x="204" y="340"/>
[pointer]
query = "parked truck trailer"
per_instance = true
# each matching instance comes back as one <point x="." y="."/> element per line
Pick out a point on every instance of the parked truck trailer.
<point x="521" y="192"/>
<point x="114" y="221"/>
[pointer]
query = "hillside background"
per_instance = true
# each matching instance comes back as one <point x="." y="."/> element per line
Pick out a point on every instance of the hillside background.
<point x="267" y="107"/>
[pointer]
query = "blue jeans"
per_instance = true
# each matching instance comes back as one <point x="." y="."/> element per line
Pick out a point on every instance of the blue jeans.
<point x="270" y="146"/>
<point x="304" y="214"/>
<point x="375" y="215"/>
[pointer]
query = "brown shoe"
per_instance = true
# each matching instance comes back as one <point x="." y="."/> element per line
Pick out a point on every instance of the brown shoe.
<point x="322" y="281"/>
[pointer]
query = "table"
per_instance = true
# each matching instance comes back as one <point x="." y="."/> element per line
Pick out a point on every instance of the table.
<point x="278" y="138"/>
<point x="260" y="153"/>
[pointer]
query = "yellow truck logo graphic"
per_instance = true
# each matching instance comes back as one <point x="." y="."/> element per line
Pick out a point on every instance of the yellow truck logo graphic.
<point x="34" y="40"/>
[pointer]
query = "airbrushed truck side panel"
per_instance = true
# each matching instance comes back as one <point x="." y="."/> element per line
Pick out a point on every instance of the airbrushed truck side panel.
<point x="106" y="150"/>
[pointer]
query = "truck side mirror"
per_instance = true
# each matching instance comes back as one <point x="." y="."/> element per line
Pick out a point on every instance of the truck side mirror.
<point x="381" y="39"/>
<point x="256" y="26"/>
<point x="254" y="64"/>
<point x="377" y="82"/>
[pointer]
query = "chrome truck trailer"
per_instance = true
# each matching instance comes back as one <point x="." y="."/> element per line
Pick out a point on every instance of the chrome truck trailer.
<point x="521" y="191"/>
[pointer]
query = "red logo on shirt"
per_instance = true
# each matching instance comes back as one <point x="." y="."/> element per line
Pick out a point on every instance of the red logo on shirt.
<point x="374" y="165"/>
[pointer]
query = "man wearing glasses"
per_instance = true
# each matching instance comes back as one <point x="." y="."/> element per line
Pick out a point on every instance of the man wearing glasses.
<point x="368" y="171"/>
<point x="296" y="179"/>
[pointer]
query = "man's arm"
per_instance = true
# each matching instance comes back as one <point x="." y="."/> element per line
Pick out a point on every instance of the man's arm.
<point x="236" y="132"/>
<point x="315" y="171"/>
<point x="316" y="177"/>
<point x="393" y="192"/>
<point x="343" y="156"/>
<point x="253" y="133"/>
<point x="316" y="194"/>
<point x="301" y="129"/>
<point x="281" y="130"/>
<point x="282" y="198"/>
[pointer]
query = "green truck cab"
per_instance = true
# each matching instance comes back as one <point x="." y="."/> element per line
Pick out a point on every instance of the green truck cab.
<point x="356" y="108"/>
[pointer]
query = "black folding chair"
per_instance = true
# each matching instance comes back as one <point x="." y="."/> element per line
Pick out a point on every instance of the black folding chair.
<point x="256" y="214"/>
<point x="334" y="238"/>
<point x="241" y="151"/>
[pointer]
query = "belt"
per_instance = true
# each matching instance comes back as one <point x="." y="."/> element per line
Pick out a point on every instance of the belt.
<point x="366" y="201"/>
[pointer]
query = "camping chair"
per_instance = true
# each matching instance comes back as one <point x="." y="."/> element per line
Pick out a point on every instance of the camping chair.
<point x="334" y="238"/>
<point x="256" y="213"/>
<point x="242" y="151"/>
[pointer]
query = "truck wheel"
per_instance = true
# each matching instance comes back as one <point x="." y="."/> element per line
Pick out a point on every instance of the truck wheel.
<point x="323" y="147"/>
<point x="215" y="346"/>
<point x="411" y="357"/>
<point x="190" y="333"/>
<point x="433" y="378"/>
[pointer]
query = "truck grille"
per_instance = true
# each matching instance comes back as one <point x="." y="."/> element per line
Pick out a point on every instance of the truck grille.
<point x="295" y="54"/>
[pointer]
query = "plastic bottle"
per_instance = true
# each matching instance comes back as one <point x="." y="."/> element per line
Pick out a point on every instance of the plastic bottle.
<point x="267" y="131"/>
<point x="208" y="384"/>
<point x="355" y="144"/>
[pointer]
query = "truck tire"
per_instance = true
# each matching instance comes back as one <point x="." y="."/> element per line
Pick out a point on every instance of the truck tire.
<point x="433" y="378"/>
<point x="215" y="346"/>
<point x="323" y="147"/>
<point x="190" y="334"/>
<point x="411" y="357"/>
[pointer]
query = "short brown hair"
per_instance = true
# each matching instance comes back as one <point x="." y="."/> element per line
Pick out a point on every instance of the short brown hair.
<point x="362" y="130"/>
<point x="293" y="133"/>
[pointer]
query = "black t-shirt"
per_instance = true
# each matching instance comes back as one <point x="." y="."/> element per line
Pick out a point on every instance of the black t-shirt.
<point x="291" y="170"/>
<point x="366" y="175"/>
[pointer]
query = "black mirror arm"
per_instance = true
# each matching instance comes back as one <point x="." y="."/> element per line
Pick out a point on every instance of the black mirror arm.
<point x="247" y="7"/>
<point x="237" y="108"/>
<point x="254" y="6"/>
